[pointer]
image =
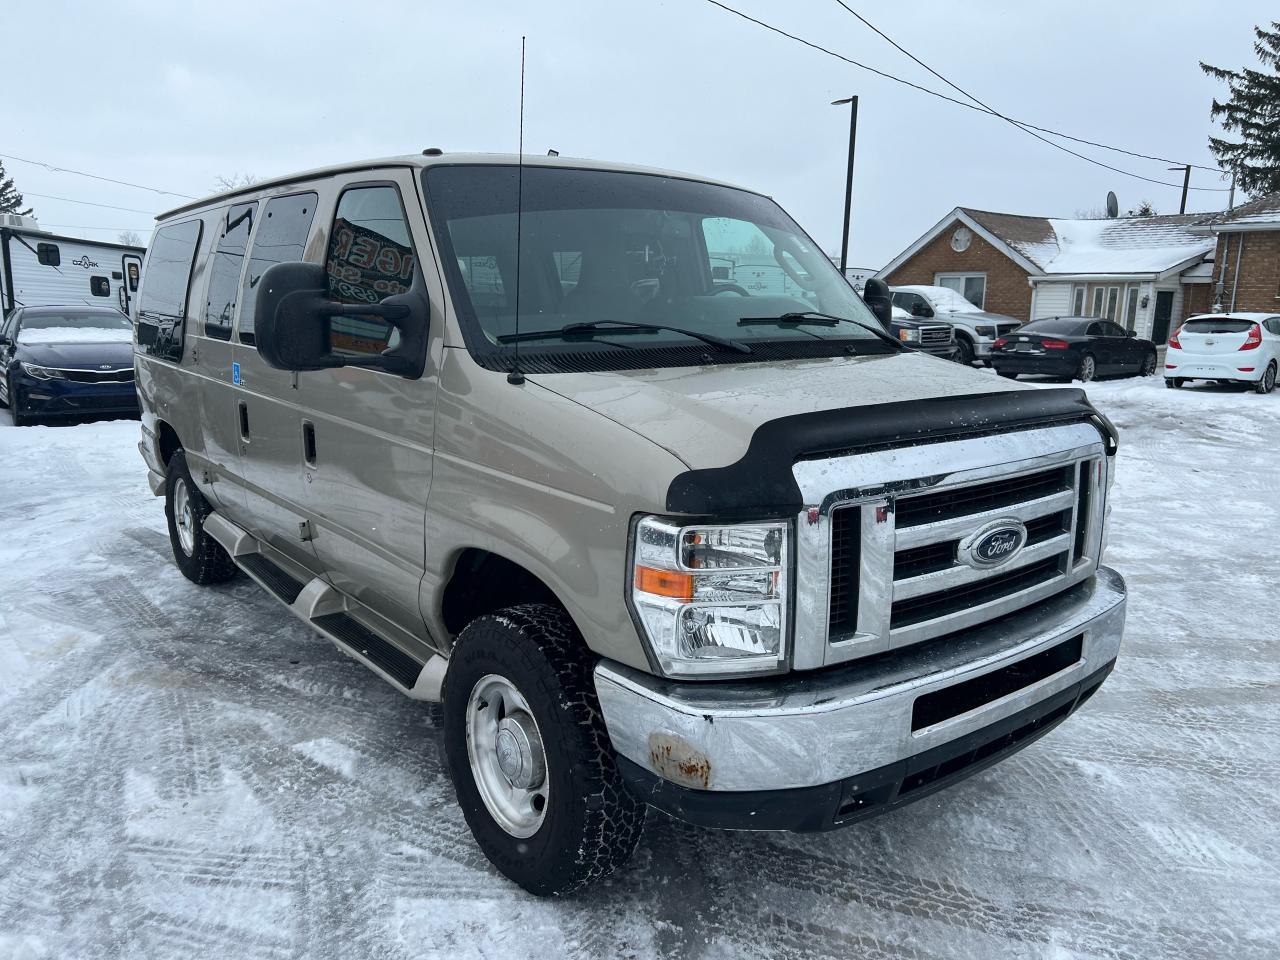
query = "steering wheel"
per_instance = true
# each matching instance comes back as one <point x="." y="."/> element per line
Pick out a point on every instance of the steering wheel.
<point x="729" y="288"/>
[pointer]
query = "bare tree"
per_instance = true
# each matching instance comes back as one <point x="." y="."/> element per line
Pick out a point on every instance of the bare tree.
<point x="130" y="238"/>
<point x="1092" y="213"/>
<point x="235" y="181"/>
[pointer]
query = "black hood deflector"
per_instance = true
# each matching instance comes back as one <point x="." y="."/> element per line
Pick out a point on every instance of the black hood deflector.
<point x="762" y="484"/>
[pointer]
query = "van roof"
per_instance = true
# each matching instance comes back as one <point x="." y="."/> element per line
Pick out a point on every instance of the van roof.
<point x="423" y="160"/>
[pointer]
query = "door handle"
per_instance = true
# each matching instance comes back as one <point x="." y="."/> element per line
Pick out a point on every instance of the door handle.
<point x="244" y="420"/>
<point x="309" y="442"/>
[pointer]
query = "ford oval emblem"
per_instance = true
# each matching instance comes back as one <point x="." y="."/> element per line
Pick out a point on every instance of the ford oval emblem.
<point x="993" y="544"/>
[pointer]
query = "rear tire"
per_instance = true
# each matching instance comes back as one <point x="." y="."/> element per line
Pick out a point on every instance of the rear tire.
<point x="529" y="663"/>
<point x="1267" y="382"/>
<point x="1148" y="367"/>
<point x="1088" y="368"/>
<point x="200" y="557"/>
<point x="1008" y="374"/>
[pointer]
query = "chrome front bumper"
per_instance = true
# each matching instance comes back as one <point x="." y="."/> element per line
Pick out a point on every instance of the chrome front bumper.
<point x="809" y="729"/>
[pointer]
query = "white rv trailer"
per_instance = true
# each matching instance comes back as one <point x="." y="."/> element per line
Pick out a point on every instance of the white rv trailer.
<point x="38" y="267"/>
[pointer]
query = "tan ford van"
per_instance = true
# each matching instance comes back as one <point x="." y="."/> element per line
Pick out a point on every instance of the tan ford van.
<point x="659" y="522"/>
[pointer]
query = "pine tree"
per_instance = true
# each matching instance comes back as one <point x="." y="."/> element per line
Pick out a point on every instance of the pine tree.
<point x="1252" y="112"/>
<point x="10" y="198"/>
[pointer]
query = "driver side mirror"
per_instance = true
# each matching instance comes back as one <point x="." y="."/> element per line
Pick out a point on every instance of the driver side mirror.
<point x="879" y="300"/>
<point x="293" y="324"/>
<point x="922" y="310"/>
<point x="1131" y="333"/>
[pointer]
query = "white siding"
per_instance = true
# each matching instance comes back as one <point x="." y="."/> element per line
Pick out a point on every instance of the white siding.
<point x="34" y="283"/>
<point x="1051" y="300"/>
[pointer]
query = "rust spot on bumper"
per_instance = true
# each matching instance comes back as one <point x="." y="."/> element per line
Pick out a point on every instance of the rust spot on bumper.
<point x="675" y="759"/>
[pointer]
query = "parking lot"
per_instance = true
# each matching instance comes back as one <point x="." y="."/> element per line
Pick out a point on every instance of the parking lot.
<point x="189" y="771"/>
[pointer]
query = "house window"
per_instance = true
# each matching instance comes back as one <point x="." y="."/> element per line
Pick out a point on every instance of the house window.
<point x="1077" y="301"/>
<point x="1113" y="302"/>
<point x="971" y="286"/>
<point x="1131" y="306"/>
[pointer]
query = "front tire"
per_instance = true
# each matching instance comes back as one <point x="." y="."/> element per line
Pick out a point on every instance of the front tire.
<point x="1267" y="382"/>
<point x="529" y="755"/>
<point x="964" y="351"/>
<point x="200" y="557"/>
<point x="1088" y="368"/>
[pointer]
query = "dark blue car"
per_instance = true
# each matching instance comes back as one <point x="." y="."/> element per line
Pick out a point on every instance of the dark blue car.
<point x="66" y="361"/>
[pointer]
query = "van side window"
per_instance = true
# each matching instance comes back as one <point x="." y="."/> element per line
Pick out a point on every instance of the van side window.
<point x="224" y="272"/>
<point x="162" y="304"/>
<point x="370" y="258"/>
<point x="281" y="237"/>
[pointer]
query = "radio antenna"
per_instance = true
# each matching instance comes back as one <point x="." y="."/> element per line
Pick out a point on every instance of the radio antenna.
<point x="514" y="376"/>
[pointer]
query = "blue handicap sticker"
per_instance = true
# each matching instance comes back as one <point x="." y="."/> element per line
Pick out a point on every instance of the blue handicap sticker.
<point x="235" y="373"/>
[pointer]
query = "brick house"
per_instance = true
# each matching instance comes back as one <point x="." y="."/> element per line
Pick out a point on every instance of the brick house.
<point x="1246" y="261"/>
<point x="1142" y="272"/>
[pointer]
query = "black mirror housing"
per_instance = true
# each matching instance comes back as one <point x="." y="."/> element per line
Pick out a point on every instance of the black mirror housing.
<point x="292" y="315"/>
<point x="1131" y="333"/>
<point x="877" y="297"/>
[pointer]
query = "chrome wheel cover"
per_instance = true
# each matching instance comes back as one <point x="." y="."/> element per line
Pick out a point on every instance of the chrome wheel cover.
<point x="504" y="749"/>
<point x="183" y="516"/>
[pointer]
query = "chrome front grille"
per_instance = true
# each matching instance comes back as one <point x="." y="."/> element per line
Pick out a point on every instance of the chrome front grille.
<point x="935" y="336"/>
<point x="883" y="555"/>
<point x="99" y="376"/>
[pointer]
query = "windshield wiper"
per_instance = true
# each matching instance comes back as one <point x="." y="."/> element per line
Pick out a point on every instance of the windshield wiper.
<point x="621" y="326"/>
<point x="799" y="317"/>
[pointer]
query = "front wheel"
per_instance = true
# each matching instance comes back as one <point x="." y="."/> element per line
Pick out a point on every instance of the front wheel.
<point x="1088" y="368"/>
<point x="529" y="755"/>
<point x="1268" y="381"/>
<point x="964" y="351"/>
<point x="200" y="557"/>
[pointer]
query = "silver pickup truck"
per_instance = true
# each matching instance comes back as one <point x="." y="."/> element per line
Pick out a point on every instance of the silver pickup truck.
<point x="497" y="430"/>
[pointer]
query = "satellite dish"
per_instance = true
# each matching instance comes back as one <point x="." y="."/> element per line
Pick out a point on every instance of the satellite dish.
<point x="1113" y="205"/>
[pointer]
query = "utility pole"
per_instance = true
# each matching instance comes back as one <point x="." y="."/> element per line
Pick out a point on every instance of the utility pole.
<point x="848" y="183"/>
<point x="1186" y="185"/>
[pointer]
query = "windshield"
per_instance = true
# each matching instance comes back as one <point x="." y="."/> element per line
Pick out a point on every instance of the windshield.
<point x="74" y="326"/>
<point x="602" y="247"/>
<point x="949" y="301"/>
<point x="1216" y="326"/>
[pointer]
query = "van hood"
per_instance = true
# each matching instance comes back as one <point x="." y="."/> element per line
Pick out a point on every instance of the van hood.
<point x="707" y="416"/>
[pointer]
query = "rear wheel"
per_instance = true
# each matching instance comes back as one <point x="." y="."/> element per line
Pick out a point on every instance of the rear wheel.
<point x="200" y="557"/>
<point x="1008" y="374"/>
<point x="529" y="755"/>
<point x="1088" y="368"/>
<point x="1148" y="367"/>
<point x="1267" y="382"/>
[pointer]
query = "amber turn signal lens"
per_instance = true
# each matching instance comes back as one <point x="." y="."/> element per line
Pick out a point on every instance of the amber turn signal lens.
<point x="665" y="583"/>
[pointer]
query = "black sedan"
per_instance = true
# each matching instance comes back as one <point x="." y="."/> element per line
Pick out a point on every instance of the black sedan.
<point x="1077" y="347"/>
<point x="66" y="361"/>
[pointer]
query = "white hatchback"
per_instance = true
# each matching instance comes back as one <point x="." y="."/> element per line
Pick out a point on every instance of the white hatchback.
<point x="1226" y="347"/>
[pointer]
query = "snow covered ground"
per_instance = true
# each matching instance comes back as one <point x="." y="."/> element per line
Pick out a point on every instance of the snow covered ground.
<point x="189" y="771"/>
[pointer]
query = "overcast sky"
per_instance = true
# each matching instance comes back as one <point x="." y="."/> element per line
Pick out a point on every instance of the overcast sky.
<point x="174" y="95"/>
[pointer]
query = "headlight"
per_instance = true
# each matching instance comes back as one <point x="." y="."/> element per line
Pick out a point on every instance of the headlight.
<point x="712" y="599"/>
<point x="908" y="335"/>
<point x="41" y="373"/>
<point x="985" y="331"/>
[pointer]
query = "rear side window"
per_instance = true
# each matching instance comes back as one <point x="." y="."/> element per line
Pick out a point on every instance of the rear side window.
<point x="162" y="304"/>
<point x="1216" y="326"/>
<point x="1066" y="327"/>
<point x="370" y="258"/>
<point x="173" y="251"/>
<point x="224" y="273"/>
<point x="281" y="237"/>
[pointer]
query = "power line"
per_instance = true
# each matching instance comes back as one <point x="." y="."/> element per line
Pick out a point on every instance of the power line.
<point x="961" y="103"/>
<point x="87" y="203"/>
<point x="986" y="106"/>
<point x="53" y="168"/>
<point x="1021" y="123"/>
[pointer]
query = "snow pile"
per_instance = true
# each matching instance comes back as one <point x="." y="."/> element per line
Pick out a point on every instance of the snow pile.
<point x="75" y="335"/>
